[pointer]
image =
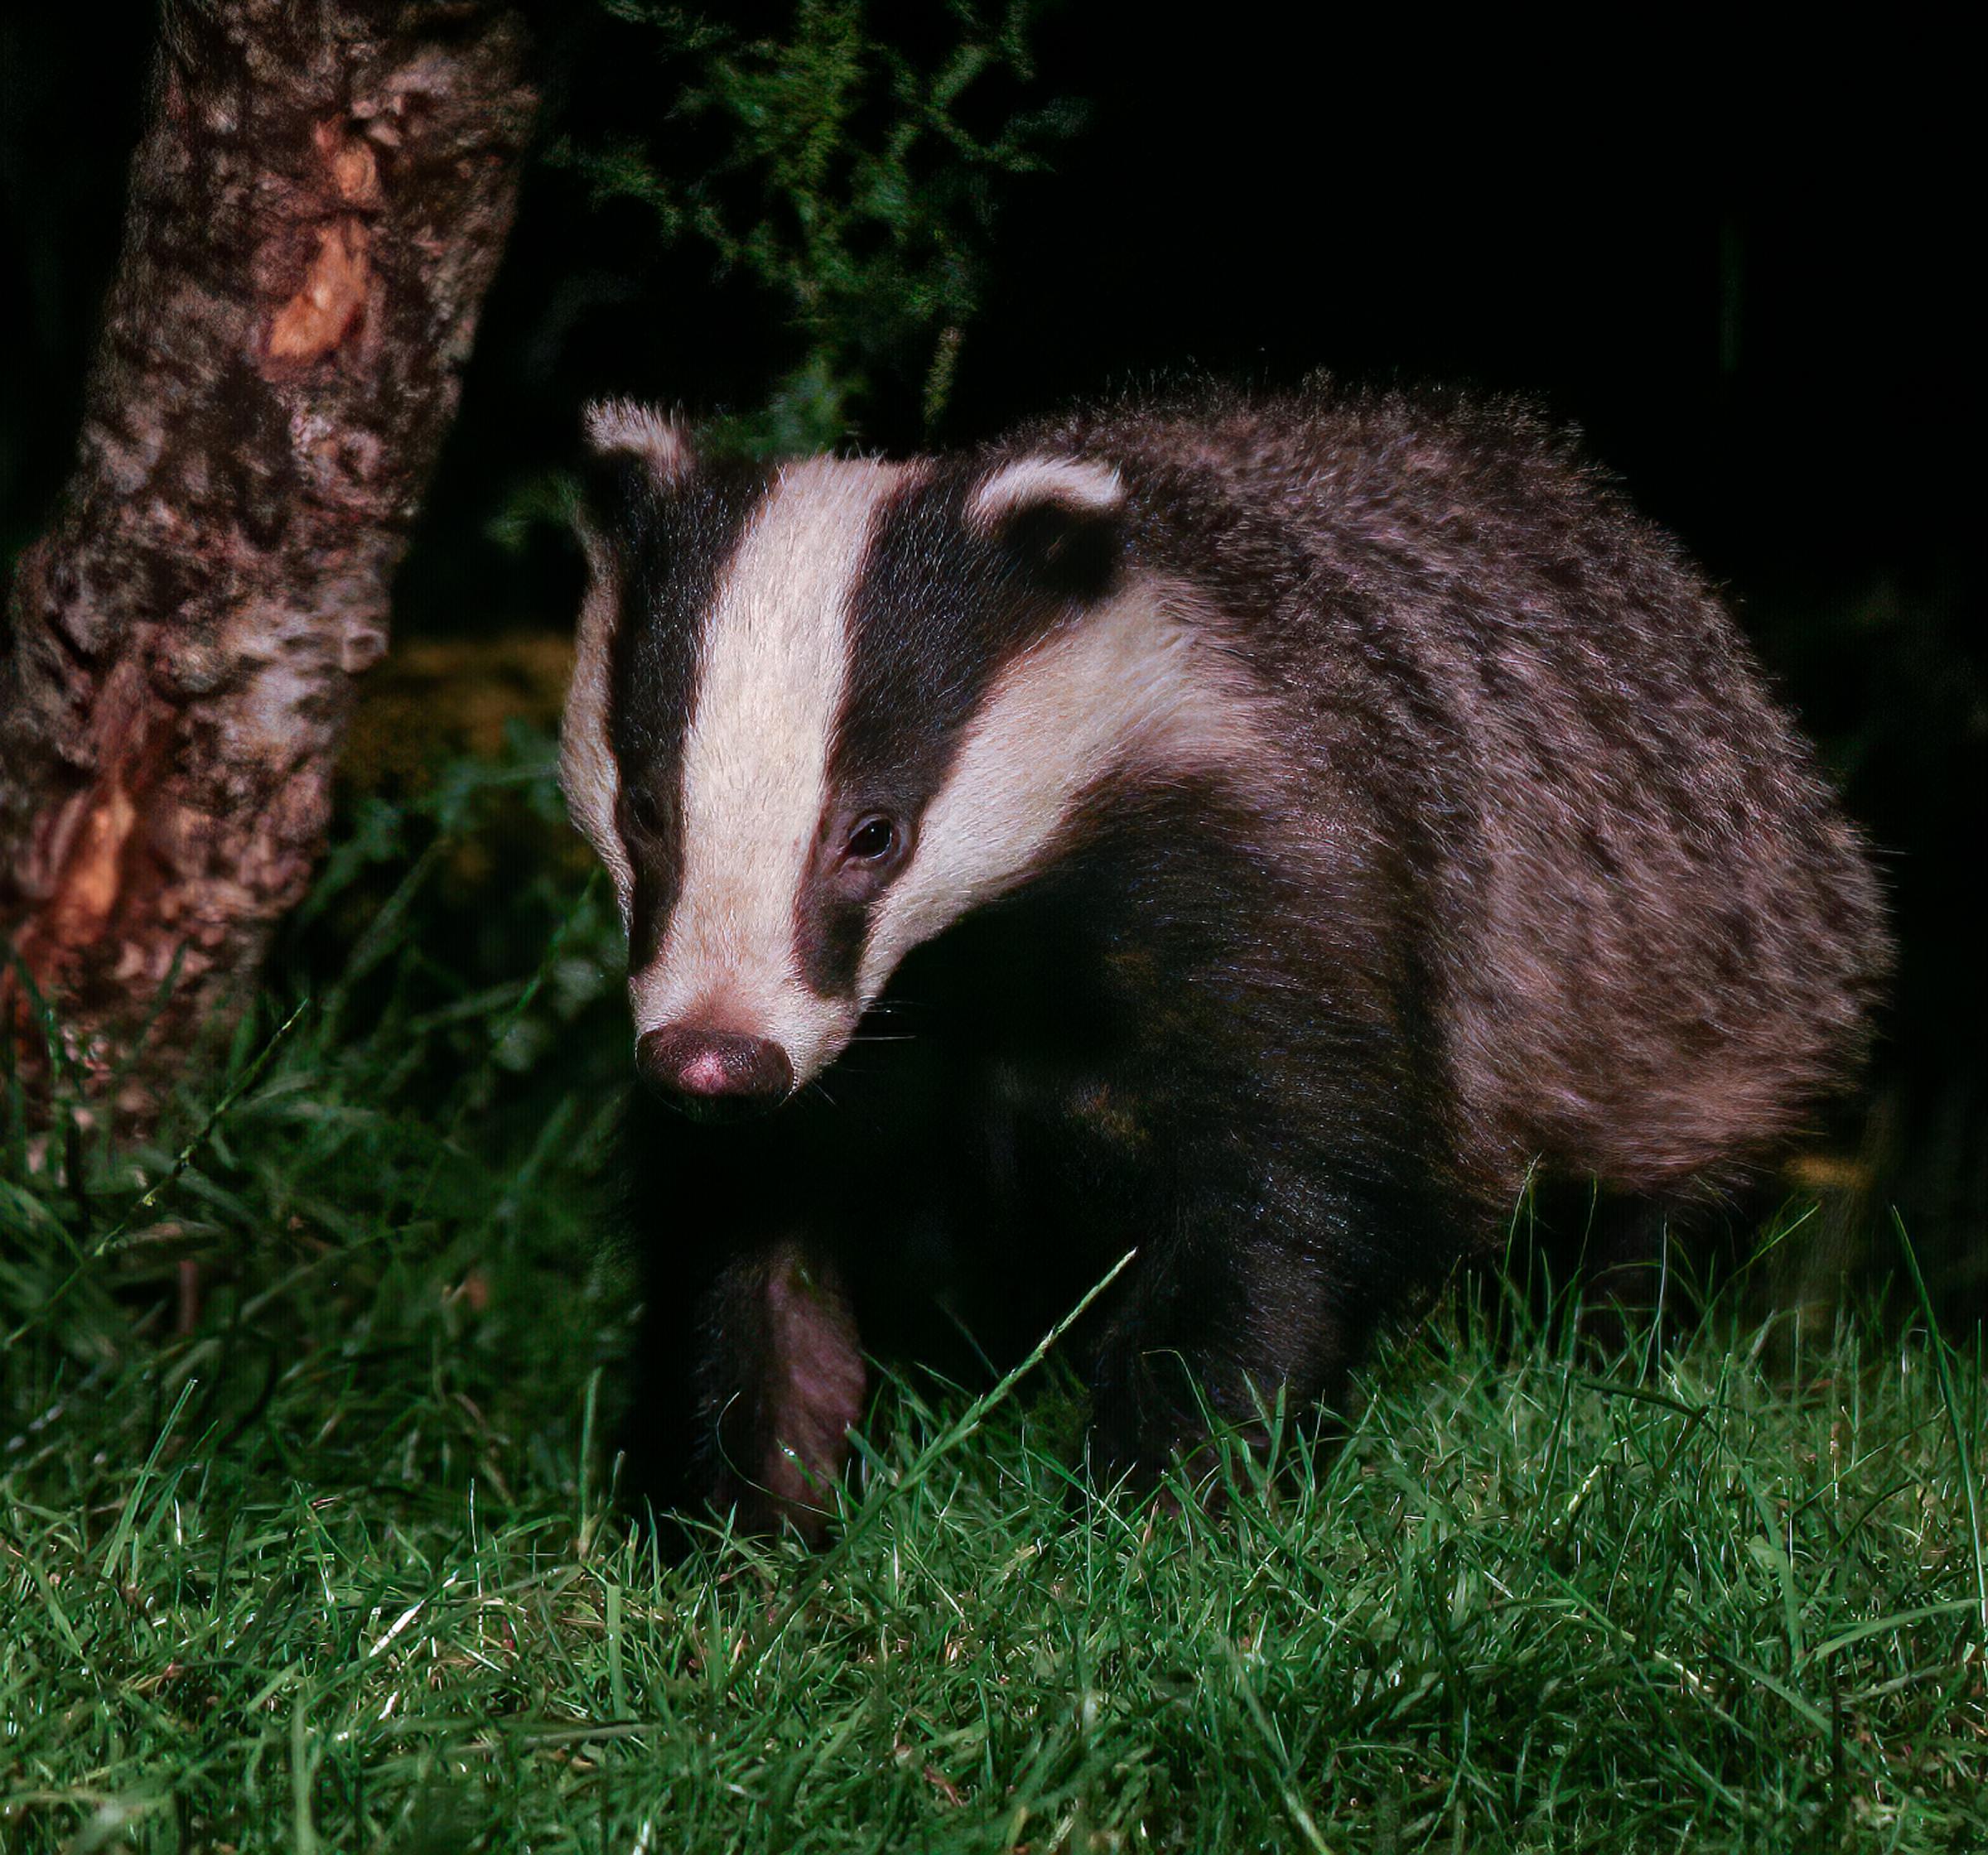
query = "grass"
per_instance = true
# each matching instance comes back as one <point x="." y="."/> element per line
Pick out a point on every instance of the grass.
<point x="306" y="1540"/>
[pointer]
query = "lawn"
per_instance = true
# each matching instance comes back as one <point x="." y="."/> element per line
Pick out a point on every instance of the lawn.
<point x="308" y="1541"/>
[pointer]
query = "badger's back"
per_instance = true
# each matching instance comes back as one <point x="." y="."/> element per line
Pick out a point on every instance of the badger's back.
<point x="1649" y="939"/>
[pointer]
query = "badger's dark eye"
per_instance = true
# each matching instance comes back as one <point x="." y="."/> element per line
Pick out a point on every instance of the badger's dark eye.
<point x="871" y="839"/>
<point x="645" y="809"/>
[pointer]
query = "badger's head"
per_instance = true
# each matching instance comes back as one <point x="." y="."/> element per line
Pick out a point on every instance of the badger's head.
<point x="820" y="711"/>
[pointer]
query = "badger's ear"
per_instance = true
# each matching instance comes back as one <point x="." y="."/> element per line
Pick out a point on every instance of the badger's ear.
<point x="1061" y="521"/>
<point x="618" y="428"/>
<point x="633" y="452"/>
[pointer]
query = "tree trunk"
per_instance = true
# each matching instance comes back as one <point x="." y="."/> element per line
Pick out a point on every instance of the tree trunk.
<point x="317" y="206"/>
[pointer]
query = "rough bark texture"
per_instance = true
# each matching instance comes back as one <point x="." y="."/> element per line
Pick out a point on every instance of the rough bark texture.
<point x="318" y="204"/>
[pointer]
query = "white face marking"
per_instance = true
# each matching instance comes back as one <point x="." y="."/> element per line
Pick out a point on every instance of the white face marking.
<point x="1133" y="687"/>
<point x="755" y="769"/>
<point x="588" y="773"/>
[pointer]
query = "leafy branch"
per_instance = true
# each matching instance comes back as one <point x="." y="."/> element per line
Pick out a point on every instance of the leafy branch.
<point x="854" y="179"/>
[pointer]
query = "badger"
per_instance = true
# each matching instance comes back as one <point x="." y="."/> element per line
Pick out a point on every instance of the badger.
<point x="1251" y="833"/>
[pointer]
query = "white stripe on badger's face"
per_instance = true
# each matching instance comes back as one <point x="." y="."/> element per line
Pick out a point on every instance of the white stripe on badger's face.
<point x="1131" y="690"/>
<point x="772" y="663"/>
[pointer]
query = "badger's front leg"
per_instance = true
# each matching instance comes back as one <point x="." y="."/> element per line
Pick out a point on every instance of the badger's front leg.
<point x="779" y="1384"/>
<point x="1262" y="1270"/>
<point x="1195" y="1340"/>
<point x="750" y="1377"/>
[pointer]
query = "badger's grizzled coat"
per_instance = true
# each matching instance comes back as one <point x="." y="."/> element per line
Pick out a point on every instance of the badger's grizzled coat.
<point x="1255" y="832"/>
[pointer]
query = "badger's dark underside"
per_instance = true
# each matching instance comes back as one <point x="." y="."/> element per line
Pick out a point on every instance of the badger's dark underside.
<point x="1122" y="1057"/>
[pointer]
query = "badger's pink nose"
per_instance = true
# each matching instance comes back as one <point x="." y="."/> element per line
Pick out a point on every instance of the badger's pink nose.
<point x="713" y="1074"/>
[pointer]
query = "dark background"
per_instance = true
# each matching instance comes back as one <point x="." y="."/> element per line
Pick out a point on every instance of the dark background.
<point x="1739" y="274"/>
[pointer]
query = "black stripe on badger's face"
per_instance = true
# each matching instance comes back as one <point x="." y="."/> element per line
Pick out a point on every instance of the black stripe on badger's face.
<point x="1065" y="670"/>
<point x="658" y="530"/>
<point x="953" y="588"/>
<point x="899" y="683"/>
<point x="677" y="549"/>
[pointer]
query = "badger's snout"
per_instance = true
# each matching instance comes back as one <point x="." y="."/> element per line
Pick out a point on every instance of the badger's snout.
<point x="714" y="1075"/>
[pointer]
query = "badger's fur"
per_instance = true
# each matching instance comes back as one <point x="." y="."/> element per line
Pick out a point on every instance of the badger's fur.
<point x="1258" y="833"/>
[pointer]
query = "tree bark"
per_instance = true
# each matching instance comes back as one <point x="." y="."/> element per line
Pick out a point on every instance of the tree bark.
<point x="318" y="204"/>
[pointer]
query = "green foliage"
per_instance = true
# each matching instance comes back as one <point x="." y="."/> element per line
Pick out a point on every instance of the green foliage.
<point x="853" y="178"/>
<point x="307" y="1539"/>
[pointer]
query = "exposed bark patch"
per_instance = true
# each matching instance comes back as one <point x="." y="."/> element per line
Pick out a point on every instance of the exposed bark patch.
<point x="321" y="314"/>
<point x="318" y="204"/>
<point x="354" y="168"/>
<point x="95" y="876"/>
